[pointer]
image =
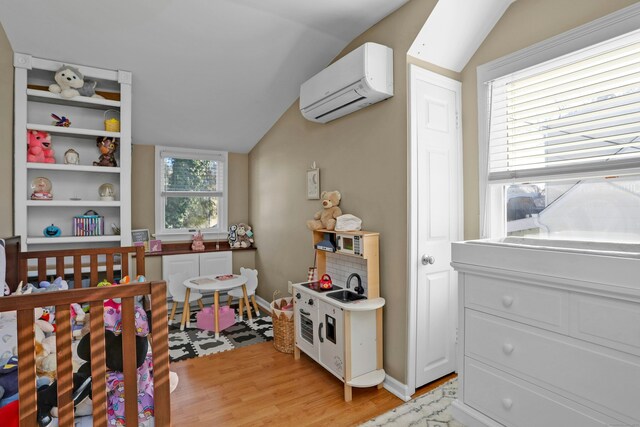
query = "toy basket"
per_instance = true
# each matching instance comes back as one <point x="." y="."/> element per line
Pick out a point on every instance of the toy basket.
<point x="282" y="317"/>
<point x="112" y="121"/>
<point x="89" y="224"/>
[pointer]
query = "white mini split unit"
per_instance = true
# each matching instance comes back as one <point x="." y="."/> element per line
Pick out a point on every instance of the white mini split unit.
<point x="357" y="80"/>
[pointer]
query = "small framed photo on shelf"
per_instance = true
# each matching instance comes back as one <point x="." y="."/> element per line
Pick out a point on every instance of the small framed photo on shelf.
<point x="313" y="184"/>
<point x="140" y="238"/>
<point x="155" y="246"/>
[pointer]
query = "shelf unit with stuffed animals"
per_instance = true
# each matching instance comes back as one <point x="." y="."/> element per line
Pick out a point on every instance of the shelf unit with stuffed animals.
<point x="72" y="154"/>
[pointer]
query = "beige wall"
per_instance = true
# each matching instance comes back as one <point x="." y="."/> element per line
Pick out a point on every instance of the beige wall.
<point x="525" y="22"/>
<point x="6" y="136"/>
<point x="143" y="201"/>
<point x="364" y="155"/>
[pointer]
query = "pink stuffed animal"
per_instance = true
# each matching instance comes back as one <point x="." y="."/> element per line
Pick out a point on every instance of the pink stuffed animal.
<point x="39" y="144"/>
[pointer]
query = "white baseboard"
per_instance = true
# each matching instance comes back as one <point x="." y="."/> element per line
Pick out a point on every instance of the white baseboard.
<point x="397" y="388"/>
<point x="263" y="304"/>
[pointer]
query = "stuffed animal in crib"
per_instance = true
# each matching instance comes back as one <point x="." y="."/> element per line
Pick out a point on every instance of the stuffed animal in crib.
<point x="326" y="218"/>
<point x="39" y="147"/>
<point x="107" y="147"/>
<point x="70" y="82"/>
<point x="47" y="396"/>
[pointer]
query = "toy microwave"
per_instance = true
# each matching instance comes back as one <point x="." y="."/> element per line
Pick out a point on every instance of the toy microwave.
<point x="350" y="244"/>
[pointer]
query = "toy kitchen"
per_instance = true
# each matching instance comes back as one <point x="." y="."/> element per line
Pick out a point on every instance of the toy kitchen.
<point x="338" y="318"/>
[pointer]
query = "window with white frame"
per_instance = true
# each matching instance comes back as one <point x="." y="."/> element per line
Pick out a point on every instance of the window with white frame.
<point x="562" y="146"/>
<point x="191" y="191"/>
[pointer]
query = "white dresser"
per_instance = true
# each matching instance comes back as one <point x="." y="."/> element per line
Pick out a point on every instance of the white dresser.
<point x="548" y="336"/>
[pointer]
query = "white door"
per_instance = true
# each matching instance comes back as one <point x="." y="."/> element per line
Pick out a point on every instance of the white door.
<point x="437" y="137"/>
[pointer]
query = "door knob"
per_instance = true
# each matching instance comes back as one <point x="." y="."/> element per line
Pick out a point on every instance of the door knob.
<point x="427" y="260"/>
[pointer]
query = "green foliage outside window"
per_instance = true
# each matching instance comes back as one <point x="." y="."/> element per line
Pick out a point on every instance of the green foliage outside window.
<point x="199" y="210"/>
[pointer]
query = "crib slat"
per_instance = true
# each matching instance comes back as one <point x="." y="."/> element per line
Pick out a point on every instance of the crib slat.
<point x="64" y="367"/>
<point x="94" y="269"/>
<point x="42" y="269"/>
<point x="98" y="364"/>
<point x="140" y="260"/>
<point x="77" y="271"/>
<point x="124" y="264"/>
<point x="109" y="267"/>
<point x="130" y="369"/>
<point x="160" y="351"/>
<point x="26" y="368"/>
<point x="60" y="266"/>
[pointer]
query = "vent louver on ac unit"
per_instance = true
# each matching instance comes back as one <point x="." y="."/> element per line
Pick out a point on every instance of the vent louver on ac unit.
<point x="357" y="80"/>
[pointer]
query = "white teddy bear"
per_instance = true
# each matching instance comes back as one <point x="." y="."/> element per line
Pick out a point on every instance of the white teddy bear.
<point x="70" y="83"/>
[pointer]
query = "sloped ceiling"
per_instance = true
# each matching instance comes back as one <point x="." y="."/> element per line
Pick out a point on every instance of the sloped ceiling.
<point x="207" y="73"/>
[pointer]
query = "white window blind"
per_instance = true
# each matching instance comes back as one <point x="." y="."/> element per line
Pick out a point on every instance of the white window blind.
<point x="185" y="174"/>
<point x="579" y="113"/>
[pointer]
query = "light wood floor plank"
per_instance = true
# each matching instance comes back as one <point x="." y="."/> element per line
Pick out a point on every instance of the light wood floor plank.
<point x="259" y="386"/>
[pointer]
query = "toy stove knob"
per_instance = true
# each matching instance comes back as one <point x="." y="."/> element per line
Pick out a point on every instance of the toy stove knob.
<point x="298" y="295"/>
<point x="310" y="301"/>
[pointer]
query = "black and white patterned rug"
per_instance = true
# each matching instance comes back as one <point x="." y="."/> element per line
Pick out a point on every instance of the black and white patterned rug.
<point x="194" y="342"/>
<point x="429" y="410"/>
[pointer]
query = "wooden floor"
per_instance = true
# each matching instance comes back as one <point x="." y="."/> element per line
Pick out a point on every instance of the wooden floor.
<point x="259" y="386"/>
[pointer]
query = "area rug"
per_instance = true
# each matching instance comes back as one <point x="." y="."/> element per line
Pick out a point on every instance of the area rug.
<point x="428" y="410"/>
<point x="194" y="342"/>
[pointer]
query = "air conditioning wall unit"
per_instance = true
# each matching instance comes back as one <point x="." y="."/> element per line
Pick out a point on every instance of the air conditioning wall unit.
<point x="357" y="80"/>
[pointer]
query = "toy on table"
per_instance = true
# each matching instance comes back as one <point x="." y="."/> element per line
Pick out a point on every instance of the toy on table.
<point x="39" y="147"/>
<point x="326" y="218"/>
<point x="70" y="82"/>
<point x="60" y="121"/>
<point x="107" y="147"/>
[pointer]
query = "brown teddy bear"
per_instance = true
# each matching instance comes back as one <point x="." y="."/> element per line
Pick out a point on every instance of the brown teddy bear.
<point x="326" y="218"/>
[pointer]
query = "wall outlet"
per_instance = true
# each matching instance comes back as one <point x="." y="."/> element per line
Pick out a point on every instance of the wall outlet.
<point x="290" y="287"/>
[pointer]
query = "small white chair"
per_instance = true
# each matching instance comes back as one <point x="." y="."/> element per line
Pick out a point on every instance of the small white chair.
<point x="251" y="285"/>
<point x="178" y="292"/>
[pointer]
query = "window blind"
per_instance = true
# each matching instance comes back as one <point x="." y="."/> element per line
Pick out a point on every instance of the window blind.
<point x="185" y="175"/>
<point x="575" y="114"/>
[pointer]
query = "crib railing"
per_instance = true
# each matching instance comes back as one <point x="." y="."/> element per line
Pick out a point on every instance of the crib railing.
<point x="25" y="304"/>
<point x="81" y="261"/>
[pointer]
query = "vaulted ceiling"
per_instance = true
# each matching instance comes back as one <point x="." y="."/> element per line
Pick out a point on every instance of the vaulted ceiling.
<point x="207" y="74"/>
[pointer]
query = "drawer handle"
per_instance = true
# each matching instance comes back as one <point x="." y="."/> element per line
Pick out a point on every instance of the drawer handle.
<point x="507" y="301"/>
<point x="507" y="348"/>
<point x="507" y="403"/>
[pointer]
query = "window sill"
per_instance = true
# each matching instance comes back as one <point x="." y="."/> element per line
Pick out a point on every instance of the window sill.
<point x="181" y="237"/>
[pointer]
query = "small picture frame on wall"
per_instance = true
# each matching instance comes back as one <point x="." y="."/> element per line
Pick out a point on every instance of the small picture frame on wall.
<point x="140" y="238"/>
<point x="313" y="184"/>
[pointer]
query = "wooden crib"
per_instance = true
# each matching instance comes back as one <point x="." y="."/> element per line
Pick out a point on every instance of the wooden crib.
<point x="92" y="262"/>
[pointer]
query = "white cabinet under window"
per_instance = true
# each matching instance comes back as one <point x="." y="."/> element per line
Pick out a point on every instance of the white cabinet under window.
<point x="178" y="268"/>
<point x="74" y="186"/>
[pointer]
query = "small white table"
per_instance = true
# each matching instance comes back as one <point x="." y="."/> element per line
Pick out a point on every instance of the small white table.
<point x="215" y="285"/>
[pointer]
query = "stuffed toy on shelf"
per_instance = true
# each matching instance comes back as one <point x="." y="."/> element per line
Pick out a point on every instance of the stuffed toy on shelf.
<point x="39" y="147"/>
<point x="107" y="147"/>
<point x="326" y="218"/>
<point x="70" y="83"/>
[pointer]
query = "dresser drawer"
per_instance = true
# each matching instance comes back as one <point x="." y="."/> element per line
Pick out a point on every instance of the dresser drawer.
<point x="514" y="402"/>
<point x="543" y="307"/>
<point x="606" y="321"/>
<point x="608" y="379"/>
